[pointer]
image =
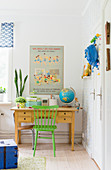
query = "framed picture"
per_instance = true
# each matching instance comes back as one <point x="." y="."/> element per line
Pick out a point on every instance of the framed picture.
<point x="107" y="32"/>
<point x="108" y="59"/>
<point x="46" y="69"/>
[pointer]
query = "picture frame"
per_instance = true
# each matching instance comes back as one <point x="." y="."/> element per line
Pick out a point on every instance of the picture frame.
<point x="46" y="73"/>
<point x="108" y="59"/>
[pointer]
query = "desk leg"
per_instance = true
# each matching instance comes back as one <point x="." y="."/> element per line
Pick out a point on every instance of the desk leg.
<point x="16" y="128"/>
<point x="73" y="126"/>
<point x="19" y="134"/>
<point x="69" y="133"/>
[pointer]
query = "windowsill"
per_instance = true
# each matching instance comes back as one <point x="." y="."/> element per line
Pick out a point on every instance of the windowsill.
<point x="5" y="103"/>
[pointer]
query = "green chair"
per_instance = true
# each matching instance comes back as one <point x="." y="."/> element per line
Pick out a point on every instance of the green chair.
<point x="46" y="118"/>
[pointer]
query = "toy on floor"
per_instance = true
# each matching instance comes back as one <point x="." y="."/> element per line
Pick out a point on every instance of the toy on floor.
<point x="87" y="71"/>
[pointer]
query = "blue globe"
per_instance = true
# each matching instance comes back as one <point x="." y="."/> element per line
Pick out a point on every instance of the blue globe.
<point x="66" y="95"/>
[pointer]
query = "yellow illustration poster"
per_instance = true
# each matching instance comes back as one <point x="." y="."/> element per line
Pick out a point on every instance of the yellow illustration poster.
<point x="46" y="69"/>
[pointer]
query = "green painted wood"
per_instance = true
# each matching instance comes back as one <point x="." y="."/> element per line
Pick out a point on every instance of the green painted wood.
<point x="45" y="127"/>
<point x="53" y="139"/>
<point x="52" y="117"/>
<point x="45" y="107"/>
<point x="41" y="118"/>
<point x="45" y="137"/>
<point x="48" y="117"/>
<point x="35" y="142"/>
<point x="55" y="117"/>
<point x="38" y="117"/>
<point x="45" y="118"/>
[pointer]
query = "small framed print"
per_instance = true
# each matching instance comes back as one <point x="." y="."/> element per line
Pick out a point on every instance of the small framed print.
<point x="108" y="59"/>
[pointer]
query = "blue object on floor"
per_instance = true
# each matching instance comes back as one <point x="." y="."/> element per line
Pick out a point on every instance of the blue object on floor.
<point x="8" y="154"/>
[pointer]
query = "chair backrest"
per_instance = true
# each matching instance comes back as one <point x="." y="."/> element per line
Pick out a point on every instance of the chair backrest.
<point x="45" y="112"/>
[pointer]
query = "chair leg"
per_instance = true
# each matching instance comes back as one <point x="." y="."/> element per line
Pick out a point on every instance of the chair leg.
<point x="53" y="139"/>
<point x="35" y="142"/>
<point x="32" y="139"/>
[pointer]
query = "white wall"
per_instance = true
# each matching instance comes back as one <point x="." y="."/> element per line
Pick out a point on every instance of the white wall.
<point x="46" y="30"/>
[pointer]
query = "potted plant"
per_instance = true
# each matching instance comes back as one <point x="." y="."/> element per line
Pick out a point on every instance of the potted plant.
<point x="20" y="102"/>
<point x="2" y="91"/>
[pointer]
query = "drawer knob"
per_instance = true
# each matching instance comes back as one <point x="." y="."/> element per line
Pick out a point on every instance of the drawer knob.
<point x="24" y="118"/>
<point x="24" y="112"/>
<point x="64" y="118"/>
<point x="64" y="113"/>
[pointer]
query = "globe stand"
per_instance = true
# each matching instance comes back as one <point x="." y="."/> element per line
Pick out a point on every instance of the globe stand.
<point x="66" y="104"/>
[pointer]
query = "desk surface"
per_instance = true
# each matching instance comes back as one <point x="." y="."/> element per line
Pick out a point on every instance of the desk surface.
<point x="59" y="109"/>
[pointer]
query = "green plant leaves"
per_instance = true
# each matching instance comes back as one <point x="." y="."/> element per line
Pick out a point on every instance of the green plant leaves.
<point x="20" y="100"/>
<point x="2" y="90"/>
<point x="20" y="76"/>
<point x="16" y="83"/>
<point x="25" y="79"/>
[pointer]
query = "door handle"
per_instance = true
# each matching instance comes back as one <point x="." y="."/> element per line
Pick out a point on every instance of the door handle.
<point x="92" y="93"/>
<point x="99" y="95"/>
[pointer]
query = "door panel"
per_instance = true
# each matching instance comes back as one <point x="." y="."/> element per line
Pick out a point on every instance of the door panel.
<point x="97" y="135"/>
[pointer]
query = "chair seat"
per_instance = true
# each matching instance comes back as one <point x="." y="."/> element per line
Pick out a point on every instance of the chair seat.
<point x="44" y="128"/>
<point x="25" y="127"/>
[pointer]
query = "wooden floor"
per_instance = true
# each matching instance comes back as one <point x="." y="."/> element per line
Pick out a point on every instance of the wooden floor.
<point x="65" y="158"/>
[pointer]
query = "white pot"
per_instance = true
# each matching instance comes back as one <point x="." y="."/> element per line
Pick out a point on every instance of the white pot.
<point x="1" y="97"/>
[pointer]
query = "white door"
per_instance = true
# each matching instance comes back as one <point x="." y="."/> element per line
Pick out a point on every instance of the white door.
<point x="97" y="119"/>
<point x="97" y="138"/>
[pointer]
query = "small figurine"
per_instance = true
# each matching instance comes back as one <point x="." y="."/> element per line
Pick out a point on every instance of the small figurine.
<point x="87" y="71"/>
<point x="95" y="38"/>
<point x="77" y="104"/>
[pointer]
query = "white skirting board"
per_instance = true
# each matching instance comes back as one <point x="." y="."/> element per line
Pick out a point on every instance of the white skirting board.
<point x="60" y="136"/>
<point x="87" y="149"/>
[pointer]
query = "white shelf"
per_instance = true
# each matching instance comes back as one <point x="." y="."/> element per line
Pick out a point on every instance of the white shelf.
<point x="5" y="103"/>
<point x="86" y="77"/>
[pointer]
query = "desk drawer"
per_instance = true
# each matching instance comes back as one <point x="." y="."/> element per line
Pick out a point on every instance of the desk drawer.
<point x="25" y="113"/>
<point x="25" y="119"/>
<point x="64" y="120"/>
<point x="65" y="114"/>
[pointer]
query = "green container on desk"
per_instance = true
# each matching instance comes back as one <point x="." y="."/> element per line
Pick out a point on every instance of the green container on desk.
<point x="31" y="103"/>
<point x="39" y="103"/>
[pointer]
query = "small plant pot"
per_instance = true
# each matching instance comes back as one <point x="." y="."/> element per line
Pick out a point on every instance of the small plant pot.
<point x="20" y="105"/>
<point x="1" y="97"/>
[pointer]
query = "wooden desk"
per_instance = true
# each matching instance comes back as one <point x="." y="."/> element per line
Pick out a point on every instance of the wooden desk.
<point x="64" y="115"/>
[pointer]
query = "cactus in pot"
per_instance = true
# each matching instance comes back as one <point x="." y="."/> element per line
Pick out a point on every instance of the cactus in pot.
<point x="19" y="91"/>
